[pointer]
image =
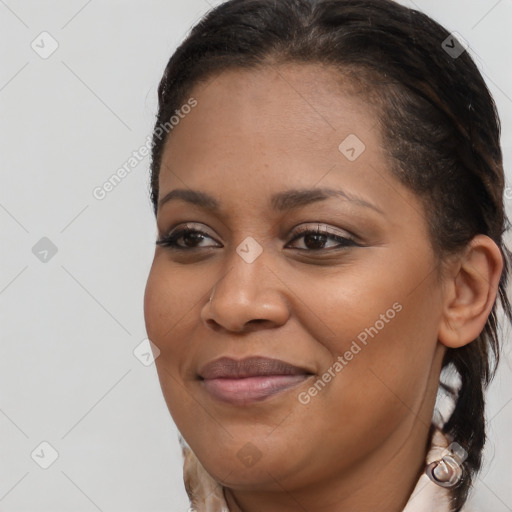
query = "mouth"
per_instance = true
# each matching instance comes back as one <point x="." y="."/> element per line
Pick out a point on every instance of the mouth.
<point x="253" y="379"/>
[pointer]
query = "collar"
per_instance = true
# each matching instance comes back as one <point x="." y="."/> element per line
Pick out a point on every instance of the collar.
<point x="207" y="495"/>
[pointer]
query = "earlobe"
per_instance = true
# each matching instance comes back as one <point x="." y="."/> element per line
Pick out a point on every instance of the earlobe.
<point x="470" y="292"/>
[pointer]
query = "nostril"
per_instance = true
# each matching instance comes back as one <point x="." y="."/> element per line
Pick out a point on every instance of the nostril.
<point x="252" y="324"/>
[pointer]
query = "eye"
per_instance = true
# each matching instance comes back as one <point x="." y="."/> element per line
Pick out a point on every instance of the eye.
<point x="187" y="238"/>
<point x="191" y="238"/>
<point x="315" y="239"/>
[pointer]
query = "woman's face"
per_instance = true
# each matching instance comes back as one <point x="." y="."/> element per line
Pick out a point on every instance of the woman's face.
<point x="356" y="316"/>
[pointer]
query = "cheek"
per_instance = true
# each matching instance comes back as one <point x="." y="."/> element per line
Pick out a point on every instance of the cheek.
<point x="387" y="302"/>
<point x="171" y="299"/>
<point x="383" y="325"/>
<point x="387" y="341"/>
<point x="386" y="338"/>
<point x="159" y="306"/>
<point x="172" y="304"/>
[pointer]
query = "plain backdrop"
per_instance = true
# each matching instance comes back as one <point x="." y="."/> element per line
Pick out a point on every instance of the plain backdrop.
<point x="74" y="267"/>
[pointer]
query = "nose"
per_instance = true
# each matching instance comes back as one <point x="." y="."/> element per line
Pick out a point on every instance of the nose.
<point x="248" y="296"/>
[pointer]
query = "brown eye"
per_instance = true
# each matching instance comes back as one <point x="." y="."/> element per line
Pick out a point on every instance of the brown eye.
<point x="316" y="239"/>
<point x="191" y="239"/>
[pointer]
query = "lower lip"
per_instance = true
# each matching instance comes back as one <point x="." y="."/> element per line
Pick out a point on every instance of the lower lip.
<point x="251" y="389"/>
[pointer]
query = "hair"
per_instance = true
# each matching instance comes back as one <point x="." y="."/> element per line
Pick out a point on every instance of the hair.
<point x="439" y="122"/>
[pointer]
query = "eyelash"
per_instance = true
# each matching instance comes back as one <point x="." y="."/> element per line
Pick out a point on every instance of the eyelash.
<point x="170" y="241"/>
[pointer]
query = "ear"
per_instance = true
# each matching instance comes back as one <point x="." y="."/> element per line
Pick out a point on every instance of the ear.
<point x="470" y="290"/>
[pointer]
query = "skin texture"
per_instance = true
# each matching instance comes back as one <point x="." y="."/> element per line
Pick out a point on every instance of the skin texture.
<point x="360" y="443"/>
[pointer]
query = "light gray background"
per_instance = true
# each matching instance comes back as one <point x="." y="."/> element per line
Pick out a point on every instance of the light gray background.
<point x="69" y="326"/>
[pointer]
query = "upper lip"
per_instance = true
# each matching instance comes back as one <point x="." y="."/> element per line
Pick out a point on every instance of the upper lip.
<point x="227" y="367"/>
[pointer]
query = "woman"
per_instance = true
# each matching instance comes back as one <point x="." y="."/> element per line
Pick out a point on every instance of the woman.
<point x="327" y="181"/>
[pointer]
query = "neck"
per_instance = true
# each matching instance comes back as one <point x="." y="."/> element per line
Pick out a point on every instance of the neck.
<point x="384" y="482"/>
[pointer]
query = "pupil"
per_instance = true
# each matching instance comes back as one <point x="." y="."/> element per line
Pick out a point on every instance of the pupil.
<point x="192" y="237"/>
<point x="320" y="240"/>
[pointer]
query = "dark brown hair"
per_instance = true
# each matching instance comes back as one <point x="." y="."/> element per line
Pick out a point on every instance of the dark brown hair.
<point x="437" y="116"/>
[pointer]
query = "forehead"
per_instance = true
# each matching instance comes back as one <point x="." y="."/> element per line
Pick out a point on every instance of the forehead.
<point x="292" y="116"/>
<point x="257" y="133"/>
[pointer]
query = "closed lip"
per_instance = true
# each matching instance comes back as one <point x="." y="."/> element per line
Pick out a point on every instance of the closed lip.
<point x="255" y="366"/>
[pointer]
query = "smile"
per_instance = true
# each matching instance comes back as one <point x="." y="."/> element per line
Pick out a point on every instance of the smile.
<point x="250" y="380"/>
<point x="251" y="389"/>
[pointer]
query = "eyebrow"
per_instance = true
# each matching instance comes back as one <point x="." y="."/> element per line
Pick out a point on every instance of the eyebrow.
<point x="282" y="201"/>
